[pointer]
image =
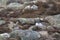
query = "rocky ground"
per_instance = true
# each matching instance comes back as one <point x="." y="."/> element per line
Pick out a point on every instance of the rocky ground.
<point x="30" y="20"/>
<point x="30" y="28"/>
<point x="29" y="9"/>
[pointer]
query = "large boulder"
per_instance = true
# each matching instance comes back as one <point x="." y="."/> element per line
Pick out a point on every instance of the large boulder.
<point x="26" y="34"/>
<point x="54" y="21"/>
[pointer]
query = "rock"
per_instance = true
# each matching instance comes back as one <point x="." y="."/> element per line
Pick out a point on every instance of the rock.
<point x="38" y="20"/>
<point x="22" y="20"/>
<point x="26" y="34"/>
<point x="28" y="0"/>
<point x="42" y="19"/>
<point x="53" y="20"/>
<point x="44" y="1"/>
<point x="15" y="6"/>
<point x="27" y="7"/>
<point x="56" y="36"/>
<point x="34" y="7"/>
<point x="1" y="38"/>
<point x="37" y="28"/>
<point x="4" y="36"/>
<point x="26" y="20"/>
<point x="13" y="39"/>
<point x="3" y="3"/>
<point x="4" y="28"/>
<point x="50" y="28"/>
<point x="57" y="27"/>
<point x="2" y="22"/>
<point x="44" y="33"/>
<point x="1" y="9"/>
<point x="16" y="27"/>
<point x="12" y="1"/>
<point x="32" y="2"/>
<point x="29" y="35"/>
<point x="11" y="25"/>
<point x="57" y="18"/>
<point x="24" y="27"/>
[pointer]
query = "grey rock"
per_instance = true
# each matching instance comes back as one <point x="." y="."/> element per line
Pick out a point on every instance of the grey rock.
<point x="4" y="36"/>
<point x="38" y="20"/>
<point x="57" y="26"/>
<point x="51" y="20"/>
<point x="26" y="34"/>
<point x="12" y="1"/>
<point x="1" y="38"/>
<point x="34" y="7"/>
<point x="44" y="33"/>
<point x="28" y="0"/>
<point x="1" y="9"/>
<point x="44" y="1"/>
<point x="50" y="28"/>
<point x="56" y="36"/>
<point x="15" y="6"/>
<point x="34" y="28"/>
<point x="57" y="19"/>
<point x="27" y="7"/>
<point x="54" y="20"/>
<point x="37" y="28"/>
<point x="27" y="20"/>
<point x="2" y="22"/>
<point x="3" y="2"/>
<point x="27" y="3"/>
